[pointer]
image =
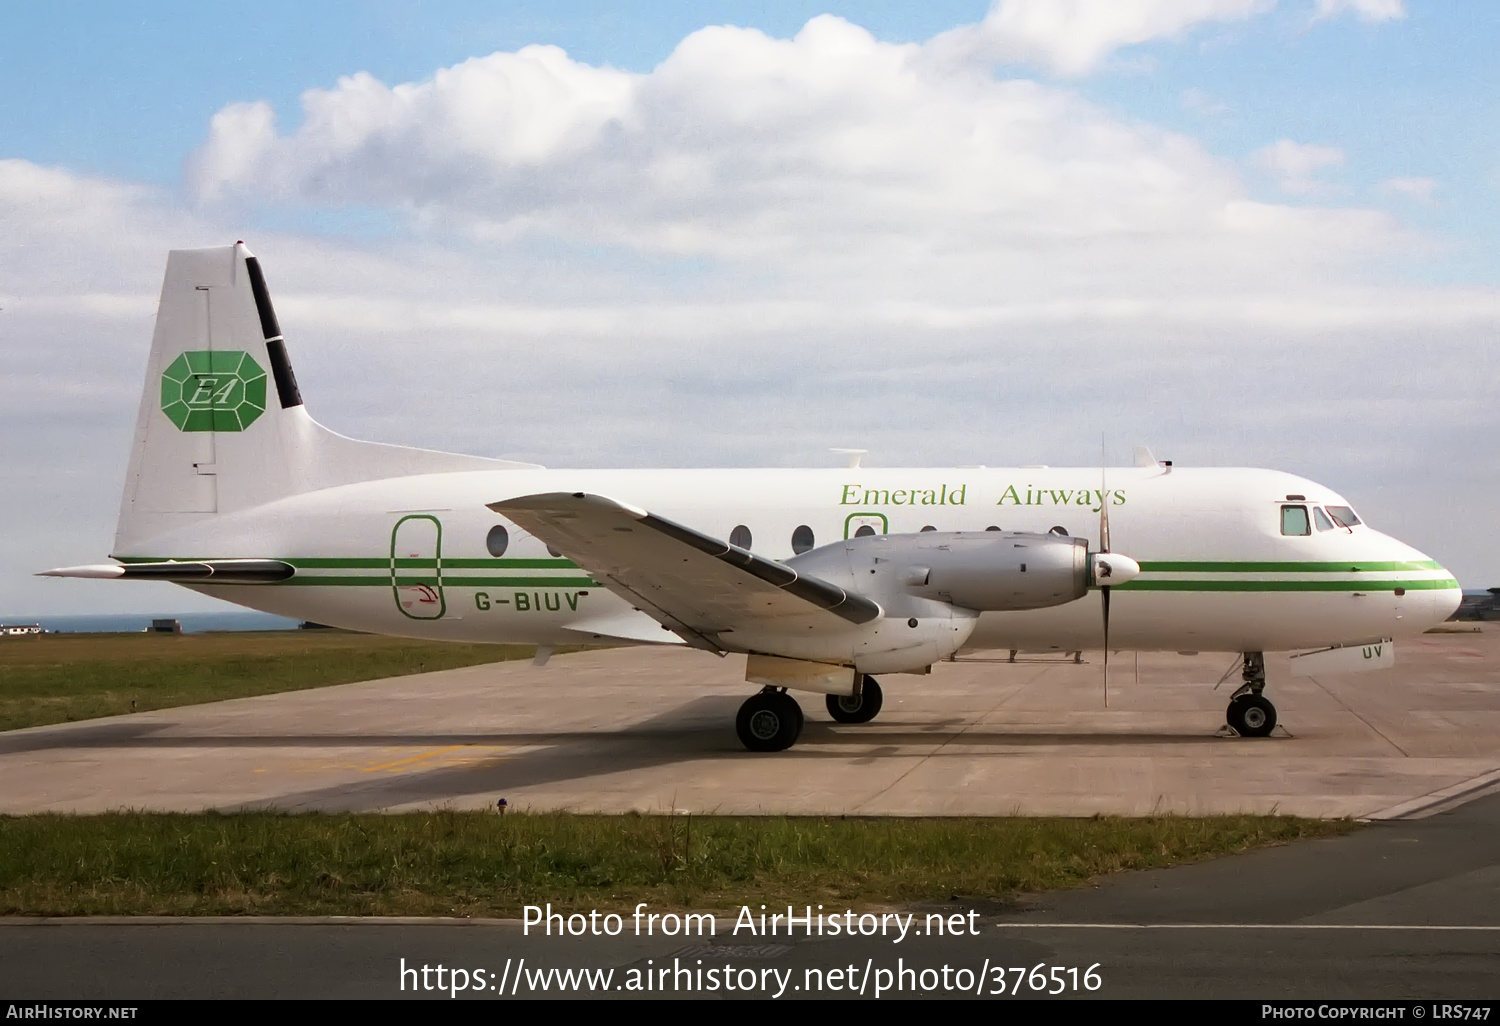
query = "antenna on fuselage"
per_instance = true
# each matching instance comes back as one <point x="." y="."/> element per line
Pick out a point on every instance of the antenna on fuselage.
<point x="855" y="455"/>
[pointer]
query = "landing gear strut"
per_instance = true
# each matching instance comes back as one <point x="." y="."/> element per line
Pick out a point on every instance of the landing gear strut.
<point x="770" y="721"/>
<point x="860" y="708"/>
<point x="1250" y="713"/>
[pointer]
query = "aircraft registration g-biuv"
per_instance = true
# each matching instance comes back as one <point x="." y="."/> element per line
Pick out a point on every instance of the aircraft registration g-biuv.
<point x="821" y="578"/>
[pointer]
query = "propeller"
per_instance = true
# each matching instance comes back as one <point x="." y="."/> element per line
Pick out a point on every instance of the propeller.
<point x="1103" y="570"/>
<point x="1108" y="568"/>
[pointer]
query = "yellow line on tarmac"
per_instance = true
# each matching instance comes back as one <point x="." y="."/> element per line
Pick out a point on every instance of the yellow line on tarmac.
<point x="414" y="759"/>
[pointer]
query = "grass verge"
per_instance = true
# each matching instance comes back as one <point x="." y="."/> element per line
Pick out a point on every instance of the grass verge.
<point x="482" y="864"/>
<point x="56" y="678"/>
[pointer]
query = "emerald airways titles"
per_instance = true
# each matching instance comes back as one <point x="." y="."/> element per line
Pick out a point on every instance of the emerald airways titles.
<point x="958" y="495"/>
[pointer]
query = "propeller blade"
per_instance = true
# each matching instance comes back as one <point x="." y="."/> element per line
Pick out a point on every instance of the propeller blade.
<point x="1103" y="502"/>
<point x="1104" y="548"/>
<point x="1104" y="592"/>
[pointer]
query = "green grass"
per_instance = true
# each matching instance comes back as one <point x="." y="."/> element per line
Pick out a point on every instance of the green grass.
<point x="61" y="677"/>
<point x="483" y="864"/>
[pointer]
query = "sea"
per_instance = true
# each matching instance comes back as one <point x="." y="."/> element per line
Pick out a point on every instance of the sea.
<point x="192" y="623"/>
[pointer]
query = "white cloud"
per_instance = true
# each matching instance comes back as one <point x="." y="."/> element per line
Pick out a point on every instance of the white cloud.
<point x="1419" y="189"/>
<point x="832" y="162"/>
<point x="1367" y="10"/>
<point x="1297" y="165"/>
<point x="1074" y="37"/>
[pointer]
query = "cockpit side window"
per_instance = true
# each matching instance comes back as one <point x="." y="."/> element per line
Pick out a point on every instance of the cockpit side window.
<point x="1294" y="521"/>
<point x="1321" y="519"/>
<point x="1343" y="516"/>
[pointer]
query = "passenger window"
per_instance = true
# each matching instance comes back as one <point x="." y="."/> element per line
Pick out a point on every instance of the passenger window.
<point x="740" y="537"/>
<point x="497" y="541"/>
<point x="929" y="527"/>
<point x="1343" y="516"/>
<point x="1294" y="521"/>
<point x="864" y="531"/>
<point x="1321" y="519"/>
<point x="802" y="539"/>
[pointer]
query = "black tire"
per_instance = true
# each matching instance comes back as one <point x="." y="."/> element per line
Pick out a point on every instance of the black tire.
<point x="857" y="710"/>
<point x="769" y="722"/>
<point x="1252" y="716"/>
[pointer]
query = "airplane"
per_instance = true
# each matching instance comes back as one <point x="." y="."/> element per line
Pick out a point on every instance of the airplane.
<point x="823" y="579"/>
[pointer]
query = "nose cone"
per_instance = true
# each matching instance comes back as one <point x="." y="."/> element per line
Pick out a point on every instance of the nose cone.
<point x="1432" y="593"/>
<point x="1445" y="601"/>
<point x="1112" y="568"/>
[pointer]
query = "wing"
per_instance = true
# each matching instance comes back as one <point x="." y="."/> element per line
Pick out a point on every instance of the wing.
<point x="695" y="585"/>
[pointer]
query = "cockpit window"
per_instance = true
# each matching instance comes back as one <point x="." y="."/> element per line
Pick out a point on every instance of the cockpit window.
<point x="1321" y="519"/>
<point x="1294" y="520"/>
<point x="1343" y="516"/>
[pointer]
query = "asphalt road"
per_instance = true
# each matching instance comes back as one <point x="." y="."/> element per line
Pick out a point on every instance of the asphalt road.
<point x="1407" y="909"/>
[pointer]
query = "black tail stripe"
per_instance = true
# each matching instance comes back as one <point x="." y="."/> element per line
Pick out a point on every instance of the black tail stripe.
<point x="281" y="370"/>
<point x="268" y="326"/>
<point x="281" y="367"/>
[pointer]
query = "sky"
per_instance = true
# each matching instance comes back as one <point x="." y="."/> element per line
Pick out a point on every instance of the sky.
<point x="1242" y="232"/>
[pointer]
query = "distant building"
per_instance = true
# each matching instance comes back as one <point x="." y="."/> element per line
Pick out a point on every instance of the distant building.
<point x="166" y="627"/>
<point x="19" y="630"/>
<point x="1479" y="605"/>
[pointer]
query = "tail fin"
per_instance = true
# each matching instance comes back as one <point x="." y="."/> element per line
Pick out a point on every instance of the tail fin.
<point x="221" y="425"/>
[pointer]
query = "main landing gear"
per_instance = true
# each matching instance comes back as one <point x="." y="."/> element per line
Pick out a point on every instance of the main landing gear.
<point x="1250" y="713"/>
<point x="770" y="721"/>
<point x="860" y="708"/>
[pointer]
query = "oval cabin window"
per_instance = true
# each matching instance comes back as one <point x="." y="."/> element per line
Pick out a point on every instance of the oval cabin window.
<point x="740" y="537"/>
<point x="497" y="541"/>
<point x="802" y="539"/>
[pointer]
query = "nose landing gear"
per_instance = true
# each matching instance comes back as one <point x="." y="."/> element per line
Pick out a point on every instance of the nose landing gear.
<point x="1250" y="713"/>
<point x="770" y="721"/>
<point x="860" y="708"/>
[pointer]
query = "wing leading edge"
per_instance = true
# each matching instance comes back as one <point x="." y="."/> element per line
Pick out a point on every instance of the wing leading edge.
<point x="697" y="585"/>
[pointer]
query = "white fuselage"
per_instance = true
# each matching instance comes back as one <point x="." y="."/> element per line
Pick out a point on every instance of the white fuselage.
<point x="1218" y="574"/>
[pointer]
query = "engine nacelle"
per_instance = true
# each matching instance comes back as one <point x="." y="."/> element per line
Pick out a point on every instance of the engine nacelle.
<point x="908" y="574"/>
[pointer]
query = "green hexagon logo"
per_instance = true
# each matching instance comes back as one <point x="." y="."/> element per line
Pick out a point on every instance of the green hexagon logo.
<point x="213" y="391"/>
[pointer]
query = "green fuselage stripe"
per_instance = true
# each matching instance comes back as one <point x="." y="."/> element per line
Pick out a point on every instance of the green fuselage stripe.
<point x="448" y="581"/>
<point x="451" y="578"/>
<point x="1242" y="585"/>
<point x="1293" y="567"/>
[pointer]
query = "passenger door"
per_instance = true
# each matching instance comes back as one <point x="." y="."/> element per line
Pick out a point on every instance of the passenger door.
<point x="417" y="567"/>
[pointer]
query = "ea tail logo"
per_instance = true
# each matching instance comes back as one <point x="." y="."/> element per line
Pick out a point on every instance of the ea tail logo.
<point x="213" y="391"/>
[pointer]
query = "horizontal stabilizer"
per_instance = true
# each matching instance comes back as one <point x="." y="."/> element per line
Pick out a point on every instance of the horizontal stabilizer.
<point x="219" y="571"/>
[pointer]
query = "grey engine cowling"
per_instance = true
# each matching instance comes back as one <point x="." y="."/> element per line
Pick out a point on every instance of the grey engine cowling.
<point x="978" y="570"/>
